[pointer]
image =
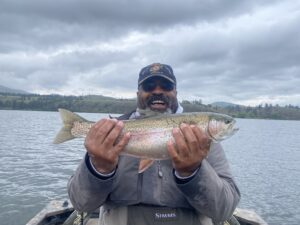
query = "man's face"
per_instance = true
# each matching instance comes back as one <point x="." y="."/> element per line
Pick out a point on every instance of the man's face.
<point x="157" y="94"/>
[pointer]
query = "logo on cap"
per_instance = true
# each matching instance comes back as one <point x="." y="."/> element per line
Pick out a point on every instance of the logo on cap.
<point x="155" y="68"/>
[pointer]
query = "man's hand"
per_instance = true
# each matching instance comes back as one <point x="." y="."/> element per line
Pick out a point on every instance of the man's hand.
<point x="190" y="148"/>
<point x="102" y="145"/>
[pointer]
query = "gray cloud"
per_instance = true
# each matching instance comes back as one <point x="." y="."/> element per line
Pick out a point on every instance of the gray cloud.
<point x="243" y="51"/>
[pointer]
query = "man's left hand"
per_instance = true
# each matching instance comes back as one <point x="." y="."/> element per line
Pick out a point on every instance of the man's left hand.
<point x="190" y="148"/>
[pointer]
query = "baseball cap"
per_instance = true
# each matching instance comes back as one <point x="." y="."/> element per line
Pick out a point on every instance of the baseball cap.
<point x="159" y="70"/>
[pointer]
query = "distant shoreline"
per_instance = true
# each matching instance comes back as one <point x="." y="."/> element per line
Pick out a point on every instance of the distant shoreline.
<point x="103" y="104"/>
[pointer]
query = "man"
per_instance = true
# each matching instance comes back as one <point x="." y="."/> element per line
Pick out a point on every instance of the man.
<point x="194" y="183"/>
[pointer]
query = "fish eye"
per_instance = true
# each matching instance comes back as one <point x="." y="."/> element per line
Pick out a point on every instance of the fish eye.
<point x="227" y="121"/>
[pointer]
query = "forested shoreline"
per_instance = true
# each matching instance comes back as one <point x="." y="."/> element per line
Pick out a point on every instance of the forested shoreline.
<point x="103" y="104"/>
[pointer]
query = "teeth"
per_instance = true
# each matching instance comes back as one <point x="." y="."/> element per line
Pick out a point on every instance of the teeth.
<point x="158" y="102"/>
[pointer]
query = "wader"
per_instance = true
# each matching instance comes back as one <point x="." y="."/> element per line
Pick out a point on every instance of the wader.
<point x="150" y="215"/>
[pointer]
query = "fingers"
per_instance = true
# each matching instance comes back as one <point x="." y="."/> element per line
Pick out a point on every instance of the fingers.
<point x="122" y="143"/>
<point x="114" y="129"/>
<point x="104" y="143"/>
<point x="180" y="142"/>
<point x="103" y="136"/>
<point x="190" y="137"/>
<point x="189" y="148"/>
<point x="186" y="140"/>
<point x="202" y="138"/>
<point x="103" y="128"/>
<point x="112" y="139"/>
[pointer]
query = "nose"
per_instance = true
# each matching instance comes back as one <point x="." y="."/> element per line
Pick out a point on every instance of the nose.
<point x="158" y="89"/>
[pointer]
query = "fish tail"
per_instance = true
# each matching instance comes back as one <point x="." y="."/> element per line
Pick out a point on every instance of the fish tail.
<point x="68" y="119"/>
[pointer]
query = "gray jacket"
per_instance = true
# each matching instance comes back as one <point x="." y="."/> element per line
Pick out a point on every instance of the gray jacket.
<point x="211" y="191"/>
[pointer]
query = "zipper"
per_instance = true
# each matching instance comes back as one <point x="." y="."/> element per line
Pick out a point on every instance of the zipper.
<point x="160" y="173"/>
<point x="140" y="184"/>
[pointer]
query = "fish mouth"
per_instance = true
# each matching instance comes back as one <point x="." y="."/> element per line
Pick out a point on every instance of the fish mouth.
<point x="230" y="131"/>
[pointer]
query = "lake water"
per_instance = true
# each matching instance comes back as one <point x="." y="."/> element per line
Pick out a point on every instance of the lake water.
<point x="264" y="157"/>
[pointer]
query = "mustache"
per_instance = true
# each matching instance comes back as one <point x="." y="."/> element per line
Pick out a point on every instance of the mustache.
<point x="157" y="97"/>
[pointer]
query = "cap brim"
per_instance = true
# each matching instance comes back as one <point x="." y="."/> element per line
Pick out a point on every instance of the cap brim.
<point x="157" y="75"/>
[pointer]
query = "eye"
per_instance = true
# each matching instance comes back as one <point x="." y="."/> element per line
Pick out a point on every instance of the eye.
<point x="227" y="121"/>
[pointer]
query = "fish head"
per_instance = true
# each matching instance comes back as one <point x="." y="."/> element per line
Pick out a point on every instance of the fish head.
<point x="221" y="127"/>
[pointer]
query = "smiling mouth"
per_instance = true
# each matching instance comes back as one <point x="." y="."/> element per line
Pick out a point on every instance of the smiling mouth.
<point x="158" y="104"/>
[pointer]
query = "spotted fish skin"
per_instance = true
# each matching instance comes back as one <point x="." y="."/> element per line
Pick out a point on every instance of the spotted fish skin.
<point x="149" y="136"/>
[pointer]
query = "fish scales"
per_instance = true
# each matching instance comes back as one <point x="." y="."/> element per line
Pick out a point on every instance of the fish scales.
<point x="80" y="129"/>
<point x="165" y="121"/>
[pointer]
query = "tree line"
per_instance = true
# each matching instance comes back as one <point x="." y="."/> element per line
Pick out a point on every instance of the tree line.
<point x="103" y="104"/>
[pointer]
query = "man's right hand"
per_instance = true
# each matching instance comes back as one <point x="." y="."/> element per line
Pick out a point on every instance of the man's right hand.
<point x="103" y="145"/>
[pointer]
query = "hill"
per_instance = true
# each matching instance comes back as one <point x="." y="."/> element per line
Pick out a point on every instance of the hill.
<point x="4" y="89"/>
<point x="88" y="103"/>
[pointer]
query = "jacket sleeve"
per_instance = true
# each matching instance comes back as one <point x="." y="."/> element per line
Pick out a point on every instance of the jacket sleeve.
<point x="88" y="192"/>
<point x="212" y="191"/>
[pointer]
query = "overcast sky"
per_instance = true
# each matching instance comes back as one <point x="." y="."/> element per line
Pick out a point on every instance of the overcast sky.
<point x="240" y="51"/>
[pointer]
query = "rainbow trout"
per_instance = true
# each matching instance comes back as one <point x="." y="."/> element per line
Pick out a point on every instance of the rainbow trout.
<point x="149" y="136"/>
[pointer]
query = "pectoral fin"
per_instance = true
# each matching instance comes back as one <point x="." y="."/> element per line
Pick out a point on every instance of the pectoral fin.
<point x="145" y="164"/>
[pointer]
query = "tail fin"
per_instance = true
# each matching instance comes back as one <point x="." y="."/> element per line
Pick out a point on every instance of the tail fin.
<point x="68" y="119"/>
